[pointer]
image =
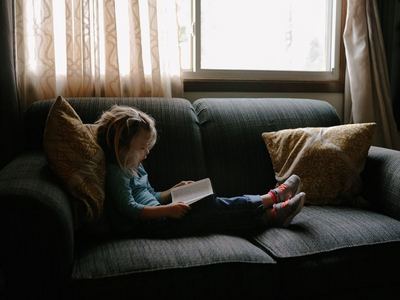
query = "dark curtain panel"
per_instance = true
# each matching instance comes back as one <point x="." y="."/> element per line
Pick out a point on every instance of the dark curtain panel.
<point x="9" y="111"/>
<point x="389" y="14"/>
<point x="396" y="93"/>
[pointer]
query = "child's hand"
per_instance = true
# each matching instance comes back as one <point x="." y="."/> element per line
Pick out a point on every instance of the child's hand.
<point x="183" y="183"/>
<point x="166" y="195"/>
<point x="177" y="210"/>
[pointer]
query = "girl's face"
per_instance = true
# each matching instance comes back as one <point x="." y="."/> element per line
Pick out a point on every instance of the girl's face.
<point x="139" y="147"/>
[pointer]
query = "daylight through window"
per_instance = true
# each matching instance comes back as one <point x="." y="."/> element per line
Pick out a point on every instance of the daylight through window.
<point x="265" y="39"/>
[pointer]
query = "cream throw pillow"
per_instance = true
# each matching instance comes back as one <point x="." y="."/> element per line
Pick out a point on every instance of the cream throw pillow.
<point x="73" y="153"/>
<point x="328" y="160"/>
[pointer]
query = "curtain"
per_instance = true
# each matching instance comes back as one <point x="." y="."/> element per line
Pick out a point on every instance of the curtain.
<point x="113" y="48"/>
<point x="367" y="90"/>
<point x="9" y="108"/>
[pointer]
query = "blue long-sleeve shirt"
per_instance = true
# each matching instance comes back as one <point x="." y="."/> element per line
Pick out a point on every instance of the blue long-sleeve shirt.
<point x="127" y="196"/>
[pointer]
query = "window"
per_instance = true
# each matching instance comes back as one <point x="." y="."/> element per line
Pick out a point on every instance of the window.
<point x="287" y="40"/>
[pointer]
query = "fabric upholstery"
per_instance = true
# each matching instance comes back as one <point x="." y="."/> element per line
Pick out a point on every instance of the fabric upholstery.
<point x="173" y="268"/>
<point x="36" y="224"/>
<point x="327" y="251"/>
<point x="381" y="179"/>
<point x="328" y="160"/>
<point x="233" y="146"/>
<point x="75" y="156"/>
<point x="178" y="154"/>
<point x="335" y="253"/>
<point x="349" y="273"/>
<point x="124" y="256"/>
<point x="321" y="229"/>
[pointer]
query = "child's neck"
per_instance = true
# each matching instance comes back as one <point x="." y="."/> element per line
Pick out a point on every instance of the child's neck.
<point x="136" y="173"/>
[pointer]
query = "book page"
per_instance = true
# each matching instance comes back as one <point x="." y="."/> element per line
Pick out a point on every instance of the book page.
<point x="192" y="192"/>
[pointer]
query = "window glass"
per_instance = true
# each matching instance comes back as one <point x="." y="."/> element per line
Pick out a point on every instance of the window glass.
<point x="242" y="38"/>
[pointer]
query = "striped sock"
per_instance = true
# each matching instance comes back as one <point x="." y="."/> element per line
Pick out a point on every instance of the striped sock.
<point x="274" y="196"/>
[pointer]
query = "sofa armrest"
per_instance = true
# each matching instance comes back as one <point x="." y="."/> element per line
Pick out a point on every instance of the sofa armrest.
<point x="36" y="228"/>
<point x="381" y="181"/>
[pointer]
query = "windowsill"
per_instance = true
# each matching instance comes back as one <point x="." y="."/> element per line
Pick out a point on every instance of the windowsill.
<point x="222" y="85"/>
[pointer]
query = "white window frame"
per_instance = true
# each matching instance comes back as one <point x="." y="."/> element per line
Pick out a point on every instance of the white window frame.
<point x="200" y="74"/>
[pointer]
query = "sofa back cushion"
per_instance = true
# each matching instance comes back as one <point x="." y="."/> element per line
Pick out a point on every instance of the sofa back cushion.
<point x="237" y="160"/>
<point x="178" y="154"/>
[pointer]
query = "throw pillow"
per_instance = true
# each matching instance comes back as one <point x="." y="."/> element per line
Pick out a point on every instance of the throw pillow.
<point x="328" y="160"/>
<point x="73" y="153"/>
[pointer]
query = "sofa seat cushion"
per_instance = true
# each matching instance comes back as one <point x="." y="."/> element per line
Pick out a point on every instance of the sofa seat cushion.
<point x="324" y="229"/>
<point x="115" y="257"/>
<point x="334" y="252"/>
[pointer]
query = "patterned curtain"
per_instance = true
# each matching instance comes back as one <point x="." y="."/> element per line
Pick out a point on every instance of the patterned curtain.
<point x="367" y="95"/>
<point x="113" y="48"/>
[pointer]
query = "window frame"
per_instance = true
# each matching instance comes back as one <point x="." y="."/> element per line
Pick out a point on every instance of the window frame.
<point x="247" y="84"/>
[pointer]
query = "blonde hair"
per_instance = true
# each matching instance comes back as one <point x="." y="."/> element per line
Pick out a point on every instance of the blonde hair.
<point x="116" y="129"/>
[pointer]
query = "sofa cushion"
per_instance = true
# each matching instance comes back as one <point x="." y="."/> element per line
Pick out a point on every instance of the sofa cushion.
<point x="204" y="267"/>
<point x="340" y="250"/>
<point x="35" y="220"/>
<point x="178" y="154"/>
<point x="236" y="159"/>
<point x="328" y="160"/>
<point x="73" y="153"/>
<point x="322" y="229"/>
<point x="121" y="256"/>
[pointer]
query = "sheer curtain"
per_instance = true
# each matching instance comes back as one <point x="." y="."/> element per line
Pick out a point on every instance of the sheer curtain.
<point x="113" y="48"/>
<point x="367" y="96"/>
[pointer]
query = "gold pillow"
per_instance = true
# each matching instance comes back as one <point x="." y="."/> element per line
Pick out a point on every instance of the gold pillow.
<point x="73" y="153"/>
<point x="328" y="160"/>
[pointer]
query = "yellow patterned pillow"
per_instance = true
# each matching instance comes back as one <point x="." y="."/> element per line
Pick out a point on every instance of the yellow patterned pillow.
<point x="73" y="153"/>
<point x="328" y="160"/>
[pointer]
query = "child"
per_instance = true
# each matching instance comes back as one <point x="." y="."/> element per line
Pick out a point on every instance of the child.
<point x="126" y="135"/>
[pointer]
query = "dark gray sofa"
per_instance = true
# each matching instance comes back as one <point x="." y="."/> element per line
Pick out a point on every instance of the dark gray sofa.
<point x="326" y="253"/>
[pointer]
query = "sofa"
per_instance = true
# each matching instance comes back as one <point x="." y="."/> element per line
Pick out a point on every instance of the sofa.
<point x="329" y="251"/>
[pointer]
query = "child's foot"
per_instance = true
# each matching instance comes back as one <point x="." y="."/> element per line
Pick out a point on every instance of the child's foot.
<point x="286" y="190"/>
<point x="284" y="212"/>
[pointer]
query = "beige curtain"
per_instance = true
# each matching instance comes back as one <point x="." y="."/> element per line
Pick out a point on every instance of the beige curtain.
<point x="367" y="92"/>
<point x="108" y="48"/>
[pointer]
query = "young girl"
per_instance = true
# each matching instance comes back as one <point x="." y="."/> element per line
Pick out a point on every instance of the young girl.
<point x="126" y="136"/>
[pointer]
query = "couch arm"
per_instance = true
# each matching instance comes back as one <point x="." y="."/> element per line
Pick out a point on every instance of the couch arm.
<point x="381" y="180"/>
<point x="36" y="229"/>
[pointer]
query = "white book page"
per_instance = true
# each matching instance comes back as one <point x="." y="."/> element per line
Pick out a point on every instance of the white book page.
<point x="192" y="192"/>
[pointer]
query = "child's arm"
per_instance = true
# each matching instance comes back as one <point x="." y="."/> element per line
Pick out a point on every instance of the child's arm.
<point x="173" y="210"/>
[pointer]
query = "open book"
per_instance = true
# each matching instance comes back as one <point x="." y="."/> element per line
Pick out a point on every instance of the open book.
<point x="192" y="192"/>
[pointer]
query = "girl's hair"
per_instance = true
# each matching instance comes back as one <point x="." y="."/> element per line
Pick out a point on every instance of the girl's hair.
<point x="117" y="127"/>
